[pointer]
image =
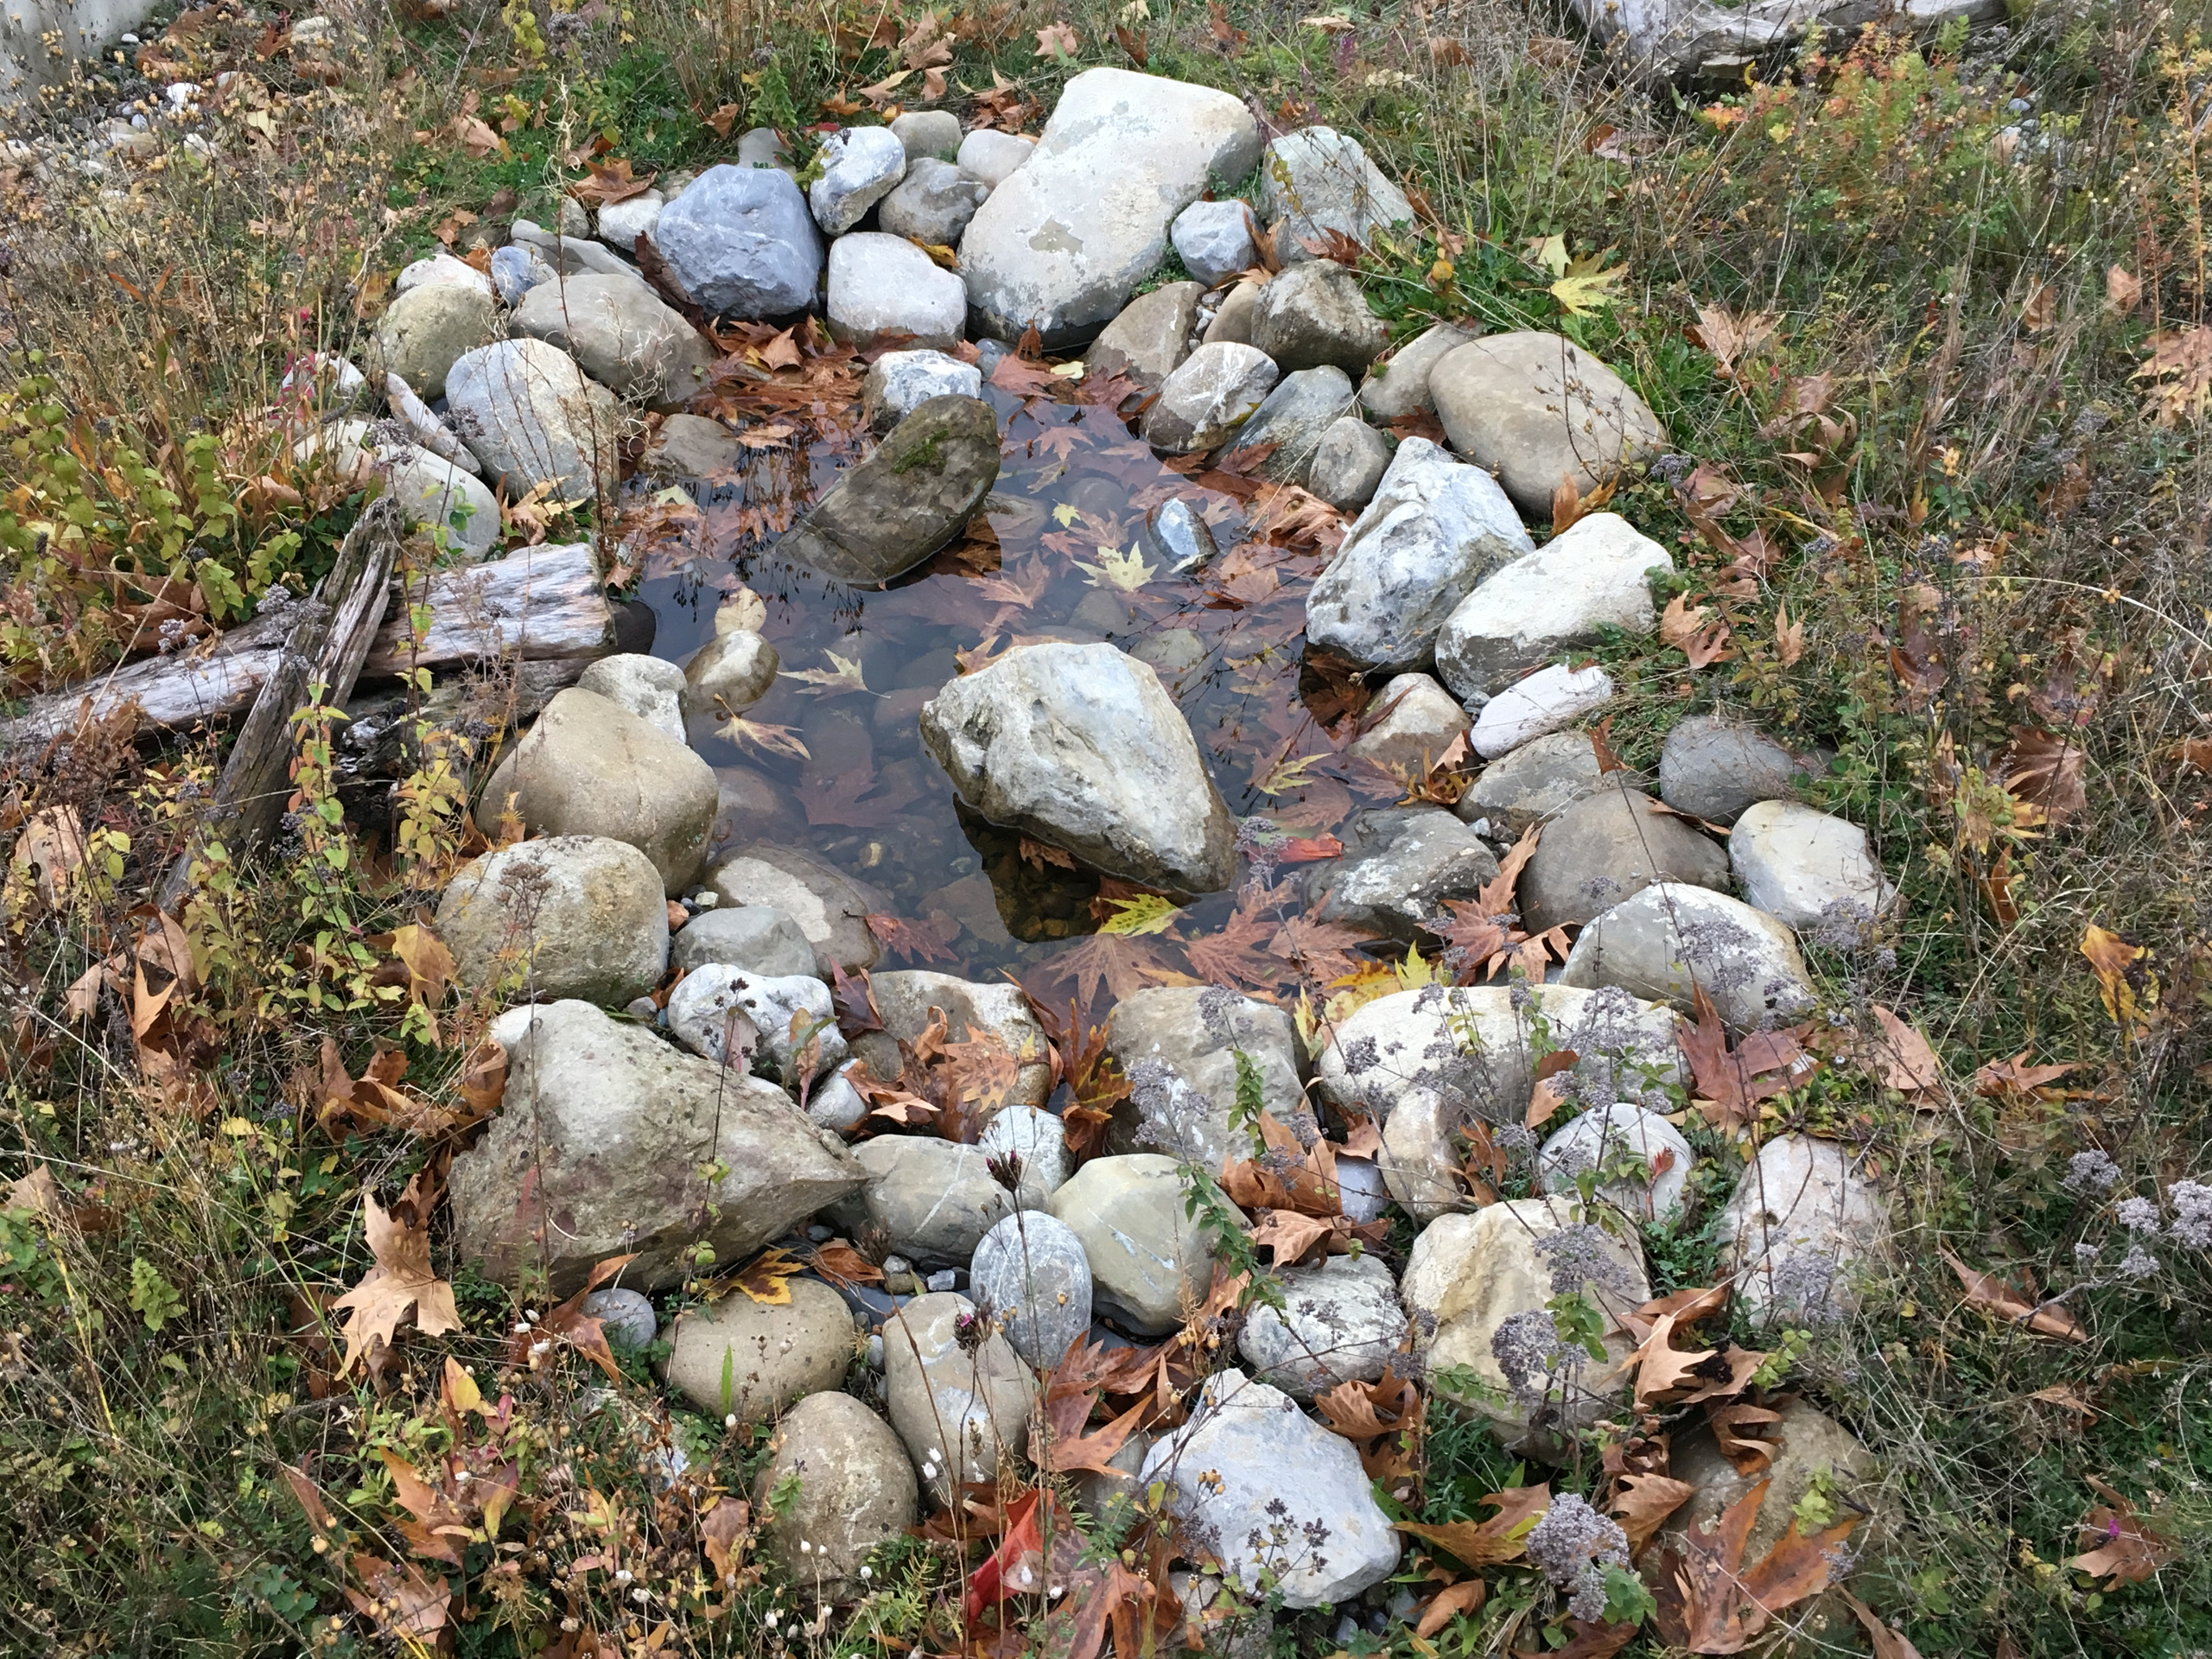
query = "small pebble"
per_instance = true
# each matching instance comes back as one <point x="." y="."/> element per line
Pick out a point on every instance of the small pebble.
<point x="820" y="1234"/>
<point x="946" y="1279"/>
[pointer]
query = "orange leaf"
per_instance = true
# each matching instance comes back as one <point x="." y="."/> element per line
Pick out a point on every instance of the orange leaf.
<point x="400" y="1283"/>
<point x="1642" y="1503"/>
<point x="1448" y="1604"/>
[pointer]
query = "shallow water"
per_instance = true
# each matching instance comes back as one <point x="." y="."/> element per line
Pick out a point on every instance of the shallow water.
<point x="1074" y="484"/>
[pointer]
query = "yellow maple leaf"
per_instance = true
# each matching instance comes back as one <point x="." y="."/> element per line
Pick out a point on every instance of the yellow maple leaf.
<point x="1124" y="572"/>
<point x="1147" y="912"/>
<point x="1585" y="289"/>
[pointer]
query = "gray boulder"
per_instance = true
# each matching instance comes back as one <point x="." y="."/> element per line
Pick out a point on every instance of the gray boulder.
<point x="1803" y="1225"/>
<point x="1418" y="723"/>
<point x="1031" y="1272"/>
<point x="621" y="334"/>
<point x="1176" y="532"/>
<point x="830" y="908"/>
<point x="859" y="167"/>
<point x="988" y="156"/>
<point x="1349" y="463"/>
<point x="788" y="1025"/>
<point x="751" y="1359"/>
<point x="1183" y="1110"/>
<point x="763" y="147"/>
<point x="883" y="288"/>
<point x="1036" y="1138"/>
<point x="932" y="1200"/>
<point x="855" y="1492"/>
<point x="569" y="251"/>
<point x="1548" y="700"/>
<point x="1806" y="867"/>
<point x="1232" y="318"/>
<point x="651" y="688"/>
<point x="591" y="768"/>
<point x="571" y="916"/>
<point x="932" y="204"/>
<point x="1209" y="394"/>
<point x="1315" y="313"/>
<point x="728" y="674"/>
<point x="1147" y="1254"/>
<point x="927" y="133"/>
<point x="692" y="446"/>
<point x="1400" y="867"/>
<point x="1065" y="237"/>
<point x="1621" y="1136"/>
<point x="1535" y="409"/>
<point x="1671" y="939"/>
<point x="909" y="498"/>
<point x="974" y="1011"/>
<point x="596" y="1152"/>
<point x="1315" y="180"/>
<point x="1605" y="846"/>
<point x="425" y="330"/>
<point x="740" y="241"/>
<point x="1081" y="746"/>
<point x="1297" y="412"/>
<point x="1341" y="1323"/>
<point x="1214" y="240"/>
<point x="533" y="417"/>
<point x="1559" y="599"/>
<point x="434" y="493"/>
<point x="898" y="382"/>
<point x="1713" y="769"/>
<point x="1398" y="386"/>
<point x="1436" y="528"/>
<point x="1539" y="780"/>
<point x="959" y="1406"/>
<point x="517" y="268"/>
<point x="1259" y="1481"/>
<point x="621" y="222"/>
<point x="1149" y="337"/>
<point x="758" y="938"/>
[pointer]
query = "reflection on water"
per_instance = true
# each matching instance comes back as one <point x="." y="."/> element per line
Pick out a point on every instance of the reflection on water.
<point x="1070" y="563"/>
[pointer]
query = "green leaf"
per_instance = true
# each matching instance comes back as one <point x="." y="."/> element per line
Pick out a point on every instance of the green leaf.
<point x="152" y="1297"/>
<point x="1146" y="913"/>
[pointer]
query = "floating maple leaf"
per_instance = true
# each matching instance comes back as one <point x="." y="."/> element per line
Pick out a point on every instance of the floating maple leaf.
<point x="1238" y="954"/>
<point x="401" y="1283"/>
<point x="915" y="941"/>
<point x="1120" y="963"/>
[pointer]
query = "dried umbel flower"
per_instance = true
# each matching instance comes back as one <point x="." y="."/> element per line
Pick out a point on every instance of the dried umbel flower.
<point x="2091" y="1172"/>
<point x="2192" y="1223"/>
<point x="1528" y="1350"/>
<point x="2138" y="1215"/>
<point x="1572" y="1546"/>
<point x="1582" y="1255"/>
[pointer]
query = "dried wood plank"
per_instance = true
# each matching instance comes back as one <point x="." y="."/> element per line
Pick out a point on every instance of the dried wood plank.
<point x="329" y="641"/>
<point x="536" y="602"/>
<point x="214" y="681"/>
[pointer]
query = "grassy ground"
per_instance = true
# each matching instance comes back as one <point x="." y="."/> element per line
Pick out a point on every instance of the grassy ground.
<point x="1905" y="336"/>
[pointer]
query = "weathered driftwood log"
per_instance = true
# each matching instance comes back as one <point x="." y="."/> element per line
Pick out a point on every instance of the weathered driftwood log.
<point x="536" y="603"/>
<point x="214" y="681"/>
<point x="329" y="641"/>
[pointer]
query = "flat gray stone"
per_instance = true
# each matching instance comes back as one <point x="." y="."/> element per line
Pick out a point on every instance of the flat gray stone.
<point x="1209" y="394"/>
<point x="757" y="939"/>
<point x="692" y="446"/>
<point x="621" y="334"/>
<point x="534" y="418"/>
<point x="751" y="1359"/>
<point x="1031" y="1272"/>
<point x="1807" y="869"/>
<point x="859" y="167"/>
<point x="989" y="156"/>
<point x="1803" y="1225"/>
<point x="651" y="688"/>
<point x="1398" y="386"/>
<point x="1147" y="1253"/>
<point x="425" y="330"/>
<point x="1182" y="1107"/>
<point x="742" y="243"/>
<point x="1436" y="528"/>
<point x="1535" y="409"/>
<point x="1539" y="780"/>
<point x="1548" y="700"/>
<point x="1149" y="337"/>
<point x="933" y="1199"/>
<point x="517" y="268"/>
<point x="1712" y="769"/>
<point x="626" y="1317"/>
<point x="1348" y="464"/>
<point x="830" y="907"/>
<point x="927" y="133"/>
<point x="1297" y="412"/>
<point x="1035" y="1137"/>
<point x="907" y="499"/>
<point x="621" y="222"/>
<point x="1418" y="723"/>
<point x="932" y="204"/>
<point x="1232" y="318"/>
<point x="1314" y="313"/>
<point x="960" y="1407"/>
<point x="855" y="1492"/>
<point x="1671" y="939"/>
<point x="567" y="916"/>
<point x="1621" y="1136"/>
<point x="883" y="288"/>
<point x="1400" y="868"/>
<point x="1317" y="179"/>
<point x="728" y="674"/>
<point x="1610" y="845"/>
<point x="718" y="1009"/>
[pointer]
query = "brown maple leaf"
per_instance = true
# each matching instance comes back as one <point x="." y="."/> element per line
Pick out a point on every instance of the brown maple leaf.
<point x="1383" y="1418"/>
<point x="915" y="941"/>
<point x="401" y="1283"/>
<point x="2127" y="1550"/>
<point x="1660" y="1367"/>
<point x="1238" y="954"/>
<point x="2044" y="772"/>
<point x="1730" y="1084"/>
<point x="2017" y="1076"/>
<point x="1642" y="1503"/>
<point x="1914" y="657"/>
<point x="1986" y="1291"/>
<point x="1121" y="963"/>
<point x="1710" y="1603"/>
<point x="1749" y="1452"/>
<point x="610" y="183"/>
<point x="1478" y="1544"/>
<point x="1320" y="950"/>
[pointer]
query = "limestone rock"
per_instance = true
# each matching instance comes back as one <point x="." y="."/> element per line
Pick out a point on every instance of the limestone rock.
<point x="517" y="268"/>
<point x="742" y="243"/>
<point x="932" y="204"/>
<point x="1398" y="386"/>
<point x="933" y="1199"/>
<point x="1295" y="414"/>
<point x="1214" y="240"/>
<point x="709" y="1013"/>
<point x="1341" y="1323"/>
<point x="763" y="147"/>
<point x="859" y="167"/>
<point x="1209" y="394"/>
<point x="1232" y="319"/>
<point x="1671" y="938"/>
<point x="974" y="1011"/>
<point x="1031" y="1272"/>
<point x="1806" y="868"/>
<point x="1548" y="700"/>
<point x="571" y="916"/>
<point x="424" y="330"/>
<point x="934" y="133"/>
<point x="989" y="157"/>
<point x="1079" y="746"/>
<point x="596" y="1149"/>
<point x="591" y="768"/>
<point x="771" y="1355"/>
<point x="728" y="674"/>
<point x="1317" y="179"/>
<point x="898" y="382"/>
<point x="1066" y="237"/>
<point x="1537" y="781"/>
<point x="1315" y="313"/>
<point x="1713" y="769"/>
<point x="1250" y="1464"/>
<point x="621" y="222"/>
<point x="1184" y="1111"/>
<point x="1804" y="1223"/>
<point x="649" y="687"/>
<point x="441" y="267"/>
<point x="1605" y="846"/>
<point x="856" y="1491"/>
<point x="909" y="498"/>
<point x="1559" y="599"/>
<point x="883" y="287"/>
<point x="692" y="446"/>
<point x="1035" y="1137"/>
<point x="1348" y="464"/>
<point x="1415" y="721"/>
<point x="830" y="907"/>
<point x="759" y="939"/>
<point x="621" y="334"/>
<point x="1618" y="1135"/>
<point x="1472" y="1272"/>
<point x="570" y="252"/>
<point x="1536" y="408"/>
<point x="1436" y="528"/>
<point x="957" y="1409"/>
<point x="1147" y="1253"/>
<point x="434" y="493"/>
<point x="1149" y="337"/>
<point x="533" y="418"/>
<point x="1400" y="869"/>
